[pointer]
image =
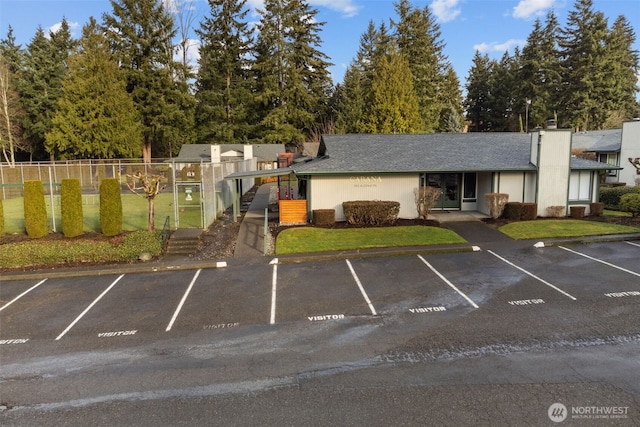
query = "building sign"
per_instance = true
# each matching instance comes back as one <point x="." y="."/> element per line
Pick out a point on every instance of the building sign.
<point x="365" y="181"/>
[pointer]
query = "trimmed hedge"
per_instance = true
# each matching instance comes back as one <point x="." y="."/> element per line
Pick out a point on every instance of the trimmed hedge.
<point x="324" y="217"/>
<point x="610" y="196"/>
<point x="35" y="210"/>
<point x="518" y="211"/>
<point x="71" y="207"/>
<point x="371" y="212"/>
<point x="1" y="218"/>
<point x="111" y="216"/>
<point x="631" y="203"/>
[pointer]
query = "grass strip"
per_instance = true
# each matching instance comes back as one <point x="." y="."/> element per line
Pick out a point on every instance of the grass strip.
<point x="546" y="229"/>
<point x="311" y="239"/>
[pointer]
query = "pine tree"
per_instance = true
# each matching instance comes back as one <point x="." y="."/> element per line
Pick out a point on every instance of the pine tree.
<point x="95" y="117"/>
<point x="451" y="114"/>
<point x="394" y="106"/>
<point x="478" y="92"/>
<point x="624" y="70"/>
<point x="293" y="81"/>
<point x="40" y="83"/>
<point x="223" y="86"/>
<point x="502" y="88"/>
<point x="141" y="33"/>
<point x="587" y="79"/>
<point x="419" y="38"/>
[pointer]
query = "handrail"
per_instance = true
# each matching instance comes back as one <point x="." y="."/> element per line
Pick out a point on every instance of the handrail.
<point x="165" y="233"/>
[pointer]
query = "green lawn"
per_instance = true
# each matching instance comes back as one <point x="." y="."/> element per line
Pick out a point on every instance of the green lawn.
<point x="135" y="212"/>
<point x="311" y="239"/>
<point x="562" y="228"/>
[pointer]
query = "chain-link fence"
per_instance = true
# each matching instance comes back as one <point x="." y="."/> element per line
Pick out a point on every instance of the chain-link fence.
<point x="195" y="194"/>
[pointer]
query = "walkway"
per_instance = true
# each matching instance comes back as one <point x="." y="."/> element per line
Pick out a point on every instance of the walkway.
<point x="250" y="241"/>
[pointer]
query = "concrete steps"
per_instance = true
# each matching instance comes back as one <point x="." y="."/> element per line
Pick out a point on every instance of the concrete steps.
<point x="184" y="242"/>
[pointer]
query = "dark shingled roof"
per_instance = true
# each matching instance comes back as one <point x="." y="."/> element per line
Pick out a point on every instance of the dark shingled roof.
<point x="598" y="140"/>
<point x="439" y="152"/>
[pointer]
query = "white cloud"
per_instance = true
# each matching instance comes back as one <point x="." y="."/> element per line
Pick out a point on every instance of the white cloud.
<point x="498" y="47"/>
<point x="445" y="10"/>
<point x="73" y="29"/>
<point x="531" y="8"/>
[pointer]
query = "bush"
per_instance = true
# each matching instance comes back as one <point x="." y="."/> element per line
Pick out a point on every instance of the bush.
<point x="110" y="207"/>
<point x="630" y="203"/>
<point x="496" y="203"/>
<point x="596" y="209"/>
<point x="512" y="211"/>
<point x="529" y="211"/>
<point x="71" y="207"/>
<point x="426" y="198"/>
<point x="324" y="217"/>
<point x="555" y="211"/>
<point x="371" y="212"/>
<point x="610" y="196"/>
<point x="577" y="212"/>
<point x="35" y="210"/>
<point x="1" y="218"/>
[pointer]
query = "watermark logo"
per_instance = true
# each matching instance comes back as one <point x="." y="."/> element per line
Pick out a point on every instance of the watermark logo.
<point x="557" y="412"/>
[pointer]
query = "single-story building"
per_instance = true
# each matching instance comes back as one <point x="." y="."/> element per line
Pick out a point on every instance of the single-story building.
<point x="620" y="147"/>
<point x="533" y="168"/>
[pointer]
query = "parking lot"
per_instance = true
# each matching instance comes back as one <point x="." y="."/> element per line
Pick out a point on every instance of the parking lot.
<point x="427" y="288"/>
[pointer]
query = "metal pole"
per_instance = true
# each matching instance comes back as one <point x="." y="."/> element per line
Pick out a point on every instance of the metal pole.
<point x="266" y="231"/>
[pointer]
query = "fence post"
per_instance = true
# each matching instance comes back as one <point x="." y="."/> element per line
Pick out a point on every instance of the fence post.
<point x="266" y="230"/>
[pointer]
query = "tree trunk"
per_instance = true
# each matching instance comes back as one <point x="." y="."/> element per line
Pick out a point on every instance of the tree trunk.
<point x="151" y="226"/>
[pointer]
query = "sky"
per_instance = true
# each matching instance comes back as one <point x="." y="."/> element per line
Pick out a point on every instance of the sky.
<point x="489" y="26"/>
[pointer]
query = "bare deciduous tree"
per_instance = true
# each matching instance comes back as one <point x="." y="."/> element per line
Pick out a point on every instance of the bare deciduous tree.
<point x="151" y="186"/>
<point x="9" y="128"/>
<point x="426" y="198"/>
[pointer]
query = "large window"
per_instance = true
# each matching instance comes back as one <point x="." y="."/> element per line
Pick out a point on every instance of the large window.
<point x="580" y="186"/>
<point x="469" y="187"/>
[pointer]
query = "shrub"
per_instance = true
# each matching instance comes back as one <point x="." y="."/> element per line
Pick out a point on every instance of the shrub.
<point x="631" y="203"/>
<point x="496" y="202"/>
<point x="596" y="209"/>
<point x="555" y="211"/>
<point x="71" y="207"/>
<point x="1" y="218"/>
<point x="610" y="196"/>
<point x="35" y="210"/>
<point x="324" y="217"/>
<point x="371" y="212"/>
<point x="512" y="211"/>
<point x="110" y="207"/>
<point x="529" y="211"/>
<point x="577" y="212"/>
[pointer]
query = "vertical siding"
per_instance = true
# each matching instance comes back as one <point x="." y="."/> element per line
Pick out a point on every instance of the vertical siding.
<point x="630" y="148"/>
<point x="328" y="192"/>
<point x="553" y="169"/>
<point x="512" y="184"/>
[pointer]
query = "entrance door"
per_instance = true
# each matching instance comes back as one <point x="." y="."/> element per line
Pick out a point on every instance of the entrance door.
<point x="449" y="184"/>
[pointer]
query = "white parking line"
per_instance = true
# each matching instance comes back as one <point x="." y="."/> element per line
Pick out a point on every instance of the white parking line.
<point x="532" y="275"/>
<point x="364" y="294"/>
<point x="600" y="261"/>
<point x="274" y="282"/>
<point x="445" y="280"/>
<point x="86" y="310"/>
<point x="182" y="301"/>
<point x="634" y="244"/>
<point x="23" y="294"/>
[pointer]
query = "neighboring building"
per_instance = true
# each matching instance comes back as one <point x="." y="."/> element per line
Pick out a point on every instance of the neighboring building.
<point x="616" y="148"/>
<point x="266" y="155"/>
<point x="536" y="167"/>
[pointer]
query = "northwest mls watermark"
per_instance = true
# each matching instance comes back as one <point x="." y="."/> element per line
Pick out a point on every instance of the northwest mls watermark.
<point x="558" y="412"/>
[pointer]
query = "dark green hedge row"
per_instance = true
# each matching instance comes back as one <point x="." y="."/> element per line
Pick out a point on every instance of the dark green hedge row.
<point x="610" y="196"/>
<point x="35" y="210"/>
<point x="111" y="216"/>
<point x="371" y="212"/>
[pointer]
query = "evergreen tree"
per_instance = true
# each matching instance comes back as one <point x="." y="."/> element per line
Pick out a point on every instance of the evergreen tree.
<point x="39" y="84"/>
<point x="502" y="88"/>
<point x="394" y="107"/>
<point x="419" y="39"/>
<point x="451" y="114"/>
<point x="624" y="72"/>
<point x="10" y="112"/>
<point x="12" y="53"/>
<point x="539" y="76"/>
<point x="95" y="117"/>
<point x="293" y="81"/>
<point x="223" y="87"/>
<point x="478" y="92"/>
<point x="586" y="74"/>
<point x="141" y="34"/>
